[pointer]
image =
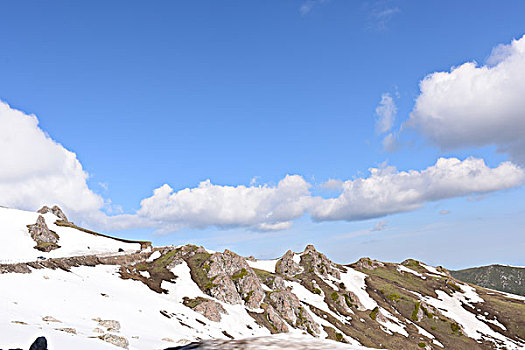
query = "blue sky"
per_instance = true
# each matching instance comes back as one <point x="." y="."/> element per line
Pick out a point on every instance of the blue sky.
<point x="244" y="93"/>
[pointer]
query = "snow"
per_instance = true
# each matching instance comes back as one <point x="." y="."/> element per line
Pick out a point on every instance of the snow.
<point x="402" y="268"/>
<point x="296" y="258"/>
<point x="470" y="293"/>
<point x="421" y="330"/>
<point x="493" y="321"/>
<point x="310" y="298"/>
<point x="392" y="324"/>
<point x="433" y="270"/>
<point x="355" y="282"/>
<point x="451" y="306"/>
<point x="155" y="255"/>
<point x="266" y="265"/>
<point x="72" y="242"/>
<point x="75" y="298"/>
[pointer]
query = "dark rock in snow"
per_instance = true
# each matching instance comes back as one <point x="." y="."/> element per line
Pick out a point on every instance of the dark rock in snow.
<point x="39" y="344"/>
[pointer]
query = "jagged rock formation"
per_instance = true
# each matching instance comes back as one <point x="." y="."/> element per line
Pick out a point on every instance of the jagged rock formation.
<point x="54" y="210"/>
<point x="46" y="240"/>
<point x="287" y="265"/>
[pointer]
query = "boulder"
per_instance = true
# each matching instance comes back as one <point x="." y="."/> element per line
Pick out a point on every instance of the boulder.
<point x="115" y="340"/>
<point x="210" y="309"/>
<point x="39" y="344"/>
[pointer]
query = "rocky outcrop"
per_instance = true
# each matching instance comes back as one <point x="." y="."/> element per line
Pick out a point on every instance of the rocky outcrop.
<point x="223" y="288"/>
<point x="319" y="263"/>
<point x="369" y="264"/>
<point x="46" y="240"/>
<point x="210" y="309"/>
<point x="287" y="266"/>
<point x="110" y="325"/>
<point x="278" y="283"/>
<point x="115" y="340"/>
<point x="55" y="211"/>
<point x="275" y="319"/>
<point x="233" y="280"/>
<point x="290" y="308"/>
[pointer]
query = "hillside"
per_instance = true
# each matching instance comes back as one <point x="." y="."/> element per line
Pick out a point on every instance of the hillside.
<point x="111" y="294"/>
<point x="508" y="279"/>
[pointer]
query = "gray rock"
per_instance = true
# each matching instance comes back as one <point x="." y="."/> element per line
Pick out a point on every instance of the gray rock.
<point x="110" y="325"/>
<point x="274" y="318"/>
<point x="224" y="290"/>
<point x="45" y="239"/>
<point x="55" y="210"/>
<point x="320" y="263"/>
<point x="210" y="309"/>
<point x="289" y="307"/>
<point x="287" y="266"/>
<point x="232" y="275"/>
<point x="115" y="340"/>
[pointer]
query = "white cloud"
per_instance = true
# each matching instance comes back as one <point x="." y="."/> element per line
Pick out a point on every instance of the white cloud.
<point x="381" y="14"/>
<point x="475" y="106"/>
<point x="387" y="191"/>
<point x="36" y="170"/>
<point x="308" y="5"/>
<point x="257" y="207"/>
<point x="390" y="143"/>
<point x="386" y="112"/>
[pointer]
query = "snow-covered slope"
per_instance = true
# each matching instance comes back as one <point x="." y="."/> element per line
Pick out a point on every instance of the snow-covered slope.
<point x="18" y="246"/>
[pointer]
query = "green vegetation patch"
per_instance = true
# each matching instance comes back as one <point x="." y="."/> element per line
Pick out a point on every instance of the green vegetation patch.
<point x="240" y="274"/>
<point x="393" y="297"/>
<point x="334" y="296"/>
<point x="416" y="311"/>
<point x="373" y="314"/>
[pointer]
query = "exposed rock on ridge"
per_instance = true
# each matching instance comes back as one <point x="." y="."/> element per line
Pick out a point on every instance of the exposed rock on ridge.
<point x="46" y="240"/>
<point x="54" y="210"/>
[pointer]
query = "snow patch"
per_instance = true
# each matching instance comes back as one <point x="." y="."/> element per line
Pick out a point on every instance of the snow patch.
<point x="266" y="265"/>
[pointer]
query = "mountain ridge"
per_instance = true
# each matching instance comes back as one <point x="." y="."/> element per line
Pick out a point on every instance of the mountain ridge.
<point x="161" y="296"/>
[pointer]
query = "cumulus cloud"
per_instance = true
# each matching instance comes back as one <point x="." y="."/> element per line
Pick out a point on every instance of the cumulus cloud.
<point x="387" y="191"/>
<point x="36" y="170"/>
<point x="474" y="106"/>
<point x="258" y="207"/>
<point x="386" y="113"/>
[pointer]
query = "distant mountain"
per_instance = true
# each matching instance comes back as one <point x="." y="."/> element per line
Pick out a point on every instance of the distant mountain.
<point x="508" y="279"/>
<point x="84" y="290"/>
